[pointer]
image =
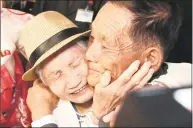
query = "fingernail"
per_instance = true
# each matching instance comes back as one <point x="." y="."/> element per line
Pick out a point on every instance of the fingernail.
<point x="137" y="61"/>
<point x="107" y="73"/>
<point x="151" y="70"/>
<point x="148" y="62"/>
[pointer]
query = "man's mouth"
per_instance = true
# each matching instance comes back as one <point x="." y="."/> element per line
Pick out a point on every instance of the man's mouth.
<point x="94" y="72"/>
<point x="95" y="67"/>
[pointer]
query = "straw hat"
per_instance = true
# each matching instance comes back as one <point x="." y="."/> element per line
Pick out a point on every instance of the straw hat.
<point x="45" y="34"/>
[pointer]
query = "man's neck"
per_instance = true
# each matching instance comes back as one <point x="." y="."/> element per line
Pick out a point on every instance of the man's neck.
<point x="83" y="108"/>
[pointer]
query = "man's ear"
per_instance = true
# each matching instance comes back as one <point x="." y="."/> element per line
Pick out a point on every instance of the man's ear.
<point x="154" y="55"/>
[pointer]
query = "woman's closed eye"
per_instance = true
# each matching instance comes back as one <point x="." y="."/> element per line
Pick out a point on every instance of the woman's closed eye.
<point x="75" y="63"/>
<point x="55" y="75"/>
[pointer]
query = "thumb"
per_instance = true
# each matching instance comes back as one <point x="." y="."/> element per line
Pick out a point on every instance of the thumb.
<point x="105" y="79"/>
<point x="109" y="117"/>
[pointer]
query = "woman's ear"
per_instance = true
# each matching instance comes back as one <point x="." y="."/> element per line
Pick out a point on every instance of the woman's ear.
<point x="154" y="55"/>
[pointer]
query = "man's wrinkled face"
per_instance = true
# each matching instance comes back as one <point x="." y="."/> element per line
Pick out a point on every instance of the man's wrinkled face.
<point x="66" y="73"/>
<point x="110" y="47"/>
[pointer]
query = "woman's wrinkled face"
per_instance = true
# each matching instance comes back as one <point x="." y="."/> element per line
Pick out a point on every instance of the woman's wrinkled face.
<point x="66" y="73"/>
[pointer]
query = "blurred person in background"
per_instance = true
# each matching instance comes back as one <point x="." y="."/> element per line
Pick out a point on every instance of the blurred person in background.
<point x="14" y="110"/>
<point x="22" y="5"/>
<point x="2" y="4"/>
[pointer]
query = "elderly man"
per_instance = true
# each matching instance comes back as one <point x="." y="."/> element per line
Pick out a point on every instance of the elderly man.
<point x="122" y="32"/>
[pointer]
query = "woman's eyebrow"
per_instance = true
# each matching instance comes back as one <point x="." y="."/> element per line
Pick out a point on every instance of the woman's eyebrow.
<point x="75" y="59"/>
<point x="72" y="60"/>
<point x="51" y="73"/>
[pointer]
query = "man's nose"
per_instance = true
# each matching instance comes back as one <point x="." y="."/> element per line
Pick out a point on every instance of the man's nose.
<point x="93" y="53"/>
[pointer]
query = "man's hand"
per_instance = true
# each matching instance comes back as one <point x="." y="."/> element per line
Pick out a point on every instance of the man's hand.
<point x="40" y="100"/>
<point x="111" y="117"/>
<point x="108" y="96"/>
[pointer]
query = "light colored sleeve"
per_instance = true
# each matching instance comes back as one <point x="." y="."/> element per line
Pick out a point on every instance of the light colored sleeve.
<point x="43" y="121"/>
<point x="178" y="75"/>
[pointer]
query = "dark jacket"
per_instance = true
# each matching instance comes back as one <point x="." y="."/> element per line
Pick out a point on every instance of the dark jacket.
<point x="28" y="7"/>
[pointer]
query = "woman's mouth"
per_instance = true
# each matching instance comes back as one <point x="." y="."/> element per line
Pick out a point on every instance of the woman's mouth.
<point x="79" y="90"/>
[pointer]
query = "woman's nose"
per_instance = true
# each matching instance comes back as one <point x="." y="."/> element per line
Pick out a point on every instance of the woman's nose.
<point x="74" y="81"/>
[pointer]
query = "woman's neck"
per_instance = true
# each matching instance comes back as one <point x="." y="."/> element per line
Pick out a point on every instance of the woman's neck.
<point x="83" y="108"/>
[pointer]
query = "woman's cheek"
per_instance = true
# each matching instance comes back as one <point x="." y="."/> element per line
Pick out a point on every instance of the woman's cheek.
<point x="57" y="89"/>
<point x="54" y="90"/>
<point x="83" y="68"/>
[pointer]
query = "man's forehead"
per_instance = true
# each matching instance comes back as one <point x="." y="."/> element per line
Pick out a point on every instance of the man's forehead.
<point x="110" y="20"/>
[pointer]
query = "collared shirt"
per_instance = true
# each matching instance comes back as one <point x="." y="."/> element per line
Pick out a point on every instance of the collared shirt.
<point x="65" y="115"/>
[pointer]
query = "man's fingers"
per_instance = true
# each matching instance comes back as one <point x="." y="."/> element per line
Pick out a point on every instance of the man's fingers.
<point x="111" y="117"/>
<point x="139" y="75"/>
<point x="127" y="74"/>
<point x="117" y="109"/>
<point x="105" y="80"/>
<point x="107" y="118"/>
<point x="125" y="77"/>
<point x="145" y="80"/>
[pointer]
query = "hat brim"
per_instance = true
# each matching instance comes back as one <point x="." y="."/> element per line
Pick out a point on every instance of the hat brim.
<point x="30" y="74"/>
